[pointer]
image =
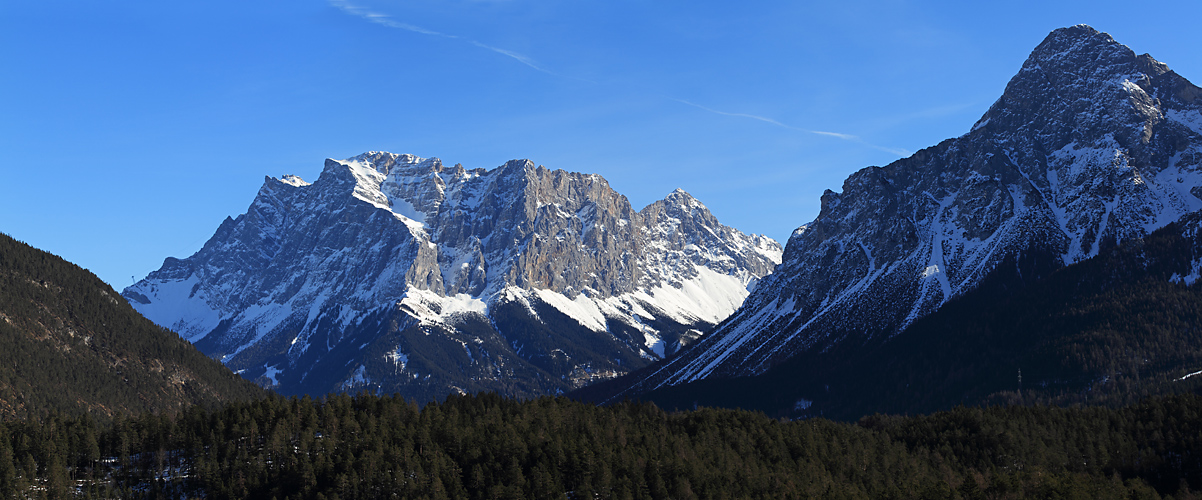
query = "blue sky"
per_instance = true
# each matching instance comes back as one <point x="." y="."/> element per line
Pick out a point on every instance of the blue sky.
<point x="129" y="130"/>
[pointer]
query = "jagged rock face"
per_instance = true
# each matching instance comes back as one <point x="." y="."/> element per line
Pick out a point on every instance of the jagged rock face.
<point x="399" y="274"/>
<point x="1089" y="145"/>
<point x="684" y="235"/>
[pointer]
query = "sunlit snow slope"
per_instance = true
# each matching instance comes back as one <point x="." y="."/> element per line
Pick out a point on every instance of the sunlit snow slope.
<point x="398" y="274"/>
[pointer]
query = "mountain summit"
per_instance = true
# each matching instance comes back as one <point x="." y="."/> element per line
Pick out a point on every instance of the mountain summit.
<point x="397" y="273"/>
<point x="1089" y="145"/>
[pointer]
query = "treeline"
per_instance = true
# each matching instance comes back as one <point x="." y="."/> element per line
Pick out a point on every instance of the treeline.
<point x="486" y="446"/>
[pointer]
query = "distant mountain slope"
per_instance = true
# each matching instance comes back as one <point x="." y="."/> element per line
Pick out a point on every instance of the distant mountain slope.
<point x="70" y="344"/>
<point x="1111" y="330"/>
<point x="1089" y="145"/>
<point x="395" y="273"/>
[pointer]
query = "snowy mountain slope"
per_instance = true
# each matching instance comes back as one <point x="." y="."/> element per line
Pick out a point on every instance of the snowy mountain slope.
<point x="1089" y="145"/>
<point x="1110" y="330"/>
<point x="525" y="280"/>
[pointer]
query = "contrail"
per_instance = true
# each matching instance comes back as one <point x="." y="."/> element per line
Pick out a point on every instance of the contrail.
<point x="846" y="137"/>
<point x="382" y="19"/>
<point x="520" y="58"/>
<point x="386" y="20"/>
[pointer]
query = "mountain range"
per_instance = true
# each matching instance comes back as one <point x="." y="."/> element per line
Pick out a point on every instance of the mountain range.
<point x="1050" y="256"/>
<point x="1110" y="330"/>
<point x="1090" y="147"/>
<point x="394" y="273"/>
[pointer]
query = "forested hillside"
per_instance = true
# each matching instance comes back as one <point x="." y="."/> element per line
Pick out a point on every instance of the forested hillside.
<point x="490" y="447"/>
<point x="1111" y="330"/>
<point x="70" y="344"/>
<point x="109" y="405"/>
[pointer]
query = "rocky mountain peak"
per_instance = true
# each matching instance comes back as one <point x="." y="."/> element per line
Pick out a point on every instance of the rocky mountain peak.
<point x="680" y="200"/>
<point x="383" y="161"/>
<point x="493" y="259"/>
<point x="1075" y="41"/>
<point x="680" y="194"/>
<point x="1083" y="52"/>
<point x="1090" y="145"/>
<point x="519" y="167"/>
<point x="292" y="180"/>
<point x="1076" y="80"/>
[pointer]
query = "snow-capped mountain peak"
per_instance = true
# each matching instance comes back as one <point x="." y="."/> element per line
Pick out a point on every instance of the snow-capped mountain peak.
<point x="516" y="269"/>
<point x="1089" y="145"/>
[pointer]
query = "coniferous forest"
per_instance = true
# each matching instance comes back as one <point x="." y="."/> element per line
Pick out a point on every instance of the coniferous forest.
<point x="69" y="344"/>
<point x="486" y="446"/>
<point x="98" y="403"/>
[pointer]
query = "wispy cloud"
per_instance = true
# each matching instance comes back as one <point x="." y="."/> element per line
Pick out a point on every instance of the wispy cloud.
<point x="846" y="137"/>
<point x="388" y="21"/>
<point x="741" y="115"/>
<point x="519" y="57"/>
<point x="382" y="19"/>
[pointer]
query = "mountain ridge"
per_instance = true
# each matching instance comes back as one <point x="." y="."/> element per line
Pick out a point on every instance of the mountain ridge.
<point x="411" y="245"/>
<point x="1107" y="331"/>
<point x="1088" y="144"/>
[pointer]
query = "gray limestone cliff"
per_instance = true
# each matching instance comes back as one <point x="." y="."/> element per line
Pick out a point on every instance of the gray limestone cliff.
<point x="399" y="274"/>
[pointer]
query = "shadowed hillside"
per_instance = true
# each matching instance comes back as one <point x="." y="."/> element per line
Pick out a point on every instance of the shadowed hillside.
<point x="70" y="344"/>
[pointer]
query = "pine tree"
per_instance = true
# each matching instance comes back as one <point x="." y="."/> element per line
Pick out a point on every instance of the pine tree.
<point x="8" y="469"/>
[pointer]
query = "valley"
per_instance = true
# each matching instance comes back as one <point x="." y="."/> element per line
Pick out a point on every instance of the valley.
<point x="1009" y="313"/>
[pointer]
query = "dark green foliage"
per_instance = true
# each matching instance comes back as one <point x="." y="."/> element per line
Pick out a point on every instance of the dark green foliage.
<point x="1111" y="330"/>
<point x="489" y="447"/>
<point x="70" y="344"/>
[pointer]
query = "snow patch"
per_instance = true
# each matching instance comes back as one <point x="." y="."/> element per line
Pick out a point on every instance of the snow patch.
<point x="358" y="378"/>
<point x="271" y="374"/>
<point x="294" y="181"/>
<point x="178" y="305"/>
<point x="1192" y="119"/>
<point x="582" y="309"/>
<point x="397" y="358"/>
<point x="654" y="342"/>
<point x="431" y="308"/>
<point x="710" y="296"/>
<point x="730" y="343"/>
<point x="402" y="207"/>
<point x="930" y="271"/>
<point x="1192" y="277"/>
<point x="367" y="183"/>
<point x="463" y="303"/>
